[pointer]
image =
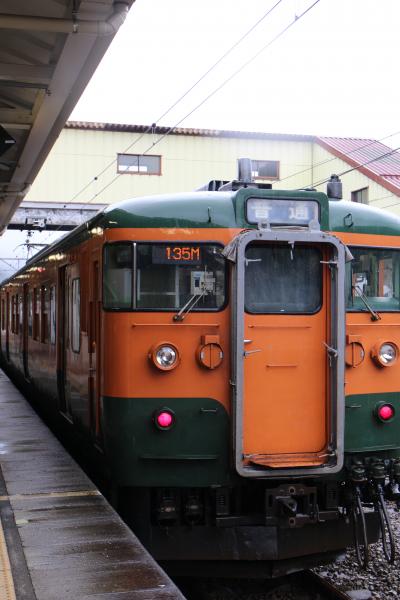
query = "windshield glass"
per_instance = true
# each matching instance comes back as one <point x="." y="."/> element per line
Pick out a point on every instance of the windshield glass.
<point x="169" y="275"/>
<point x="117" y="279"/>
<point x="282" y="279"/>
<point x="375" y="275"/>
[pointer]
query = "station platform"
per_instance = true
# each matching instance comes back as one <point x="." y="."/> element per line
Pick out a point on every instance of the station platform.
<point x="59" y="538"/>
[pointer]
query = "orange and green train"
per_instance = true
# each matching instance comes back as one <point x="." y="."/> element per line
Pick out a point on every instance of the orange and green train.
<point x="233" y="357"/>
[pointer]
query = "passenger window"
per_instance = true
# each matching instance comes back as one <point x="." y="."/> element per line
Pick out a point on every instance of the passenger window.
<point x="76" y="316"/>
<point x="3" y="314"/>
<point x="117" y="280"/>
<point x="36" y="313"/>
<point x="20" y="309"/>
<point x="373" y="277"/>
<point x="13" y="315"/>
<point x="172" y="276"/>
<point x="52" y="315"/>
<point x="30" y="313"/>
<point x="44" y="337"/>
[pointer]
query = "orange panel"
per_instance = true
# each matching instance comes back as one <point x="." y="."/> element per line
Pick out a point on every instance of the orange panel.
<point x="286" y="403"/>
<point x="365" y="377"/>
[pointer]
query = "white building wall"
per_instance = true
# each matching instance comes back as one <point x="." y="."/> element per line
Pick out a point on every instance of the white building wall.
<point x="79" y="156"/>
<point x="74" y="168"/>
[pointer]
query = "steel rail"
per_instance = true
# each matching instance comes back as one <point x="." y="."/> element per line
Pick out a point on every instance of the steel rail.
<point x="313" y="581"/>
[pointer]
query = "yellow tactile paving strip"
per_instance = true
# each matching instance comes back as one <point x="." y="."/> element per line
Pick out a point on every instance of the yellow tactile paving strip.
<point x="7" y="590"/>
<point x="50" y="495"/>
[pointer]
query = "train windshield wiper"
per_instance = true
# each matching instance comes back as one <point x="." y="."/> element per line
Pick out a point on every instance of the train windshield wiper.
<point x="202" y="284"/>
<point x="190" y="304"/>
<point x="374" y="315"/>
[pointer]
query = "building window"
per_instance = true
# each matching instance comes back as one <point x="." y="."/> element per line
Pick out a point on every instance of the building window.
<point x="265" y="169"/>
<point x="76" y="315"/>
<point x="139" y="164"/>
<point x="360" y="196"/>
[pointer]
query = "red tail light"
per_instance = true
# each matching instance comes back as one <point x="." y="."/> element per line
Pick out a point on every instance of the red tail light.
<point x="164" y="419"/>
<point x="385" y="412"/>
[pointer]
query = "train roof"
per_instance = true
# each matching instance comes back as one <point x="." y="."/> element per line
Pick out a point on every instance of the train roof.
<point x="219" y="210"/>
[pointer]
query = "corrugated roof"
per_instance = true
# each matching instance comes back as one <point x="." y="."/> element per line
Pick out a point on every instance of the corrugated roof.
<point x="158" y="130"/>
<point x="374" y="159"/>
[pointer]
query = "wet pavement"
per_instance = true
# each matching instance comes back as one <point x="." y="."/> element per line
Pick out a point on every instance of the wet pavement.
<point x="63" y="539"/>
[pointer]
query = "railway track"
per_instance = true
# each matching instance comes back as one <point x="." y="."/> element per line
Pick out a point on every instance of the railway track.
<point x="314" y="584"/>
<point x="306" y="584"/>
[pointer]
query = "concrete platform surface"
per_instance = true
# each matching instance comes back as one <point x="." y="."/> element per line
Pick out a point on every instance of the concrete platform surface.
<point x="59" y="538"/>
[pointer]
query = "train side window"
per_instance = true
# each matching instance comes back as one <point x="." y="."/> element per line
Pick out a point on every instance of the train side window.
<point x="52" y="315"/>
<point x="36" y="313"/>
<point x="14" y="314"/>
<point x="373" y="276"/>
<point x="20" y="313"/>
<point x="76" y="315"/>
<point x="117" y="277"/>
<point x="30" y="313"/>
<point x="3" y="314"/>
<point x="13" y="318"/>
<point x="44" y="320"/>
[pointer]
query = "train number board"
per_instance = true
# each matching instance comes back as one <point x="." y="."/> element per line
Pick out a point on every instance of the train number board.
<point x="173" y="254"/>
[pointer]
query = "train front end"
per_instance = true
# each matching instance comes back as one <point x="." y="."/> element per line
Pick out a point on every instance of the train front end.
<point x="225" y="428"/>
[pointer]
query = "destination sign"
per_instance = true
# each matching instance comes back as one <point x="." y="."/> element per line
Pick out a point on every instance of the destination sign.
<point x="282" y="212"/>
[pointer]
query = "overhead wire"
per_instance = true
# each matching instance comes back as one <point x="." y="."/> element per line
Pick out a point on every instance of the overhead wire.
<point x="347" y="171"/>
<point x="150" y="128"/>
<point x="215" y="91"/>
<point x="328" y="160"/>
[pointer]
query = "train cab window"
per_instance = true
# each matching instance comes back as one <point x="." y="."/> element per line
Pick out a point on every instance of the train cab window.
<point x="117" y="280"/>
<point x="3" y="314"/>
<point x="172" y="276"/>
<point x="76" y="315"/>
<point x="373" y="278"/>
<point x="283" y="280"/>
<point x="52" y="315"/>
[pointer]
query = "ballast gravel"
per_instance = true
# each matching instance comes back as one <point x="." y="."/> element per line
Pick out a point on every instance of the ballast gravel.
<point x="381" y="580"/>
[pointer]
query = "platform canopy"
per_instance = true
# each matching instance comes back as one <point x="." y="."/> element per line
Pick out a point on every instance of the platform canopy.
<point x="49" y="50"/>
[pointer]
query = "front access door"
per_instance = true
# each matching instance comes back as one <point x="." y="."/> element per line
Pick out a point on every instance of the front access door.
<point x="289" y="337"/>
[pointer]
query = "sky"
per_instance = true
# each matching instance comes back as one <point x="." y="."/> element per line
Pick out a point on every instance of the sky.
<point x="331" y="72"/>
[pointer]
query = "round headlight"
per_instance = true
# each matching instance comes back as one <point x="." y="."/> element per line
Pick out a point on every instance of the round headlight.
<point x="164" y="356"/>
<point x="387" y="353"/>
<point x="384" y="354"/>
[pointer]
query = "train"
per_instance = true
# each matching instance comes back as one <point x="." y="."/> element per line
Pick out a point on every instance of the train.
<point x="231" y="356"/>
